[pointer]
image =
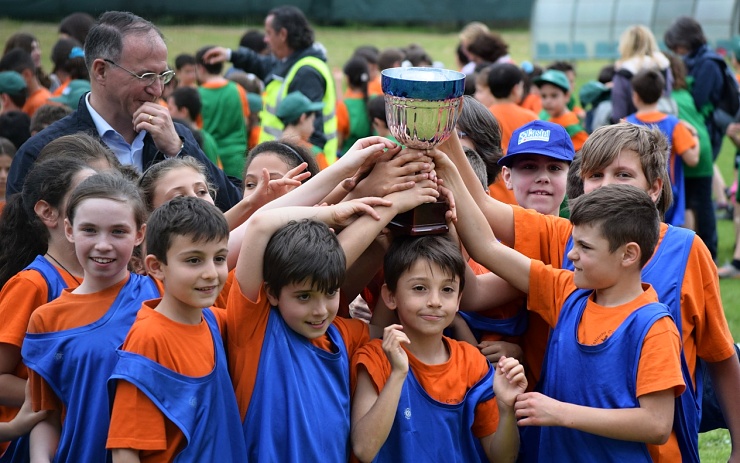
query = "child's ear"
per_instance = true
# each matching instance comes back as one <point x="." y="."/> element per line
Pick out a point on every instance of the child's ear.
<point x="272" y="298"/>
<point x="506" y="176"/>
<point x="68" y="230"/>
<point x="140" y="234"/>
<point x="154" y="267"/>
<point x="656" y="189"/>
<point x="388" y="297"/>
<point x="46" y="213"/>
<point x="632" y="254"/>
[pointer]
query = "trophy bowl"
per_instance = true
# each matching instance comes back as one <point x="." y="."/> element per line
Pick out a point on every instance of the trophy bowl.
<point x="422" y="106"/>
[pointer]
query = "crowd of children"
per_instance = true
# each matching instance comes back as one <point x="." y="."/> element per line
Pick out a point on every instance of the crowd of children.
<point x="141" y="323"/>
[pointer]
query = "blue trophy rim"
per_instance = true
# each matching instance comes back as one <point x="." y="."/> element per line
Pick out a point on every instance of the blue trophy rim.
<point x="408" y="83"/>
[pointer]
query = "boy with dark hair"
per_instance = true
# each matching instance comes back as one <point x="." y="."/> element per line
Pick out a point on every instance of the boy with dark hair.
<point x="184" y="104"/>
<point x="185" y="68"/>
<point x="224" y="113"/>
<point x="47" y="115"/>
<point x="174" y="398"/>
<point x="681" y="270"/>
<point x="289" y="354"/>
<point x="647" y="88"/>
<point x="506" y="82"/>
<point x="376" y="113"/>
<point x="555" y="93"/>
<point x="609" y="329"/>
<point x="297" y="114"/>
<point x="20" y="61"/>
<point x="396" y="378"/>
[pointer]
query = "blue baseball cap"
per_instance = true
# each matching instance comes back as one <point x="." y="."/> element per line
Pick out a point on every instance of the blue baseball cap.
<point x="539" y="137"/>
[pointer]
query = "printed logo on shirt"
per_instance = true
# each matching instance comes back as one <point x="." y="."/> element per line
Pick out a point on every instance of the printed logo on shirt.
<point x="59" y="356"/>
<point x="533" y="135"/>
<point x="193" y="402"/>
<point x="407" y="413"/>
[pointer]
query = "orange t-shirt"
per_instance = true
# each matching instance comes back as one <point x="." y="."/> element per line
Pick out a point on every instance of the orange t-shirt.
<point x="659" y="367"/>
<point x="570" y="118"/>
<point x="532" y="102"/>
<point x="223" y="296"/>
<point x="36" y="100"/>
<point x="136" y="422"/>
<point x="20" y="296"/>
<point x="342" y="120"/>
<point x="59" y="90"/>
<point x="681" y="142"/>
<point x="246" y="325"/>
<point x="374" y="87"/>
<point x="510" y="116"/>
<point x="705" y="333"/>
<point x="446" y="383"/>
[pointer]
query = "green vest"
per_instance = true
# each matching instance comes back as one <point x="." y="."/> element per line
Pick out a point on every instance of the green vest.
<point x="277" y="89"/>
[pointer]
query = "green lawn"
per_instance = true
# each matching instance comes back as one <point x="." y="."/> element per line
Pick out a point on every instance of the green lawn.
<point x="340" y="42"/>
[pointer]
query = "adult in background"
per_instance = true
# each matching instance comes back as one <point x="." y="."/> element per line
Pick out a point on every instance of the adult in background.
<point x="296" y="64"/>
<point x="638" y="50"/>
<point x="127" y="60"/>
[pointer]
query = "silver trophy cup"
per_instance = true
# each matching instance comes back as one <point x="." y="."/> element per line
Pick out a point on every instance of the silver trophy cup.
<point x="421" y="107"/>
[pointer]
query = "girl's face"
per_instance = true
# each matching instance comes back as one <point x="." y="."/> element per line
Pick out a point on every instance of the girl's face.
<point x="5" y="161"/>
<point x="182" y="181"/>
<point x="270" y="161"/>
<point x="36" y="53"/>
<point x="104" y="234"/>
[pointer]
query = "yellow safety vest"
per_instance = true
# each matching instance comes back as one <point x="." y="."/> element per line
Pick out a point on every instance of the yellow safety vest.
<point x="277" y="89"/>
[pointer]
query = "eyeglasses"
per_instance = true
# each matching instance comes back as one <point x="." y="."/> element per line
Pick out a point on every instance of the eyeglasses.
<point x="148" y="78"/>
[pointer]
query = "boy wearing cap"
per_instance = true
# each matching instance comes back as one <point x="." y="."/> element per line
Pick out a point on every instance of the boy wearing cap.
<point x="72" y="93"/>
<point x="13" y="92"/>
<point x="298" y="113"/>
<point x="555" y="93"/>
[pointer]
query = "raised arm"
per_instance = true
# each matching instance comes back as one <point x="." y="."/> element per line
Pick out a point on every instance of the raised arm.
<point x="476" y="233"/>
<point x="500" y="215"/>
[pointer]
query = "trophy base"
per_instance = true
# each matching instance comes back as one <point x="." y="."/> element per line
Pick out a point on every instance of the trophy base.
<point x="426" y="219"/>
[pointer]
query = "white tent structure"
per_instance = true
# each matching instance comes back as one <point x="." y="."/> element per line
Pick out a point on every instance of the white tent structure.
<point x="582" y="29"/>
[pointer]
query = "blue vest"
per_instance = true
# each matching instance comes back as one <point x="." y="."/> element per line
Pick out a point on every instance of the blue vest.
<point x="609" y="366"/>
<point x="203" y="408"/>
<point x="427" y="430"/>
<point x="665" y="272"/>
<point x="76" y="363"/>
<point x="300" y="405"/>
<point x="676" y="214"/>
<point x="512" y="326"/>
<point x="17" y="452"/>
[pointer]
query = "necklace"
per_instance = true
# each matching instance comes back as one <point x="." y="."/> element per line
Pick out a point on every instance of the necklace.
<point x="64" y="268"/>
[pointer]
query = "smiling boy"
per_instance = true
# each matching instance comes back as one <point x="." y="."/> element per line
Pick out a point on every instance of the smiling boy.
<point x="174" y="397"/>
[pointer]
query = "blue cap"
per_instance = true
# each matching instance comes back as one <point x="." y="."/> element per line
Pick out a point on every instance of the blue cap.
<point x="539" y="137"/>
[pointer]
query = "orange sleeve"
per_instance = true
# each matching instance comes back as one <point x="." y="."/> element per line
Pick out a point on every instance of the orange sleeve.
<point x="342" y="120"/>
<point x="136" y="423"/>
<point x="223" y="296"/>
<point x="254" y="136"/>
<point x="20" y="296"/>
<point x="660" y="360"/>
<point x="375" y="88"/>
<point x="578" y="139"/>
<point x="532" y="102"/>
<point x="705" y="332"/>
<point x="35" y="101"/>
<point x="682" y="139"/>
<point x="246" y="325"/>
<point x="548" y="290"/>
<point x="539" y="236"/>
<point x="355" y="333"/>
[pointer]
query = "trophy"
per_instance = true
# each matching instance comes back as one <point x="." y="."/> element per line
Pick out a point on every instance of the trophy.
<point x="421" y="107"/>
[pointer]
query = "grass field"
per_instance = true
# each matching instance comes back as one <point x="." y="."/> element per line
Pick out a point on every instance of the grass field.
<point x="340" y="42"/>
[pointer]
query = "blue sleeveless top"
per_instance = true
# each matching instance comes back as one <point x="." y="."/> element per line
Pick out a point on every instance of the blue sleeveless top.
<point x="300" y="404"/>
<point x="18" y="451"/>
<point x="203" y="408"/>
<point x="676" y="214"/>
<point x="76" y="363"/>
<point x="427" y="430"/>
<point x="512" y="326"/>
<point x="665" y="272"/>
<point x="607" y="375"/>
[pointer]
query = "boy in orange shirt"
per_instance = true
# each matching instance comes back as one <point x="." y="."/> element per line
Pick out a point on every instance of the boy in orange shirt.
<point x="396" y="379"/>
<point x="609" y="329"/>
<point x="173" y="391"/>
<point x="555" y="93"/>
<point x="647" y="88"/>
